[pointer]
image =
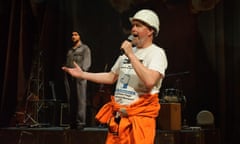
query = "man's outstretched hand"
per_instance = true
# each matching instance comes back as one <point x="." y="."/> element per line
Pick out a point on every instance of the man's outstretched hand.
<point x="75" y="72"/>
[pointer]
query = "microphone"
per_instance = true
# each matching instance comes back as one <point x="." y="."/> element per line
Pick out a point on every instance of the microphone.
<point x="130" y="38"/>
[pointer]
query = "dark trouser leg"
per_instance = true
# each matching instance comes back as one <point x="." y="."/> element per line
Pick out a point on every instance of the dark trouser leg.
<point x="81" y="103"/>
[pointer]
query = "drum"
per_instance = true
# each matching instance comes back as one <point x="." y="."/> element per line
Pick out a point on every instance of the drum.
<point x="171" y="95"/>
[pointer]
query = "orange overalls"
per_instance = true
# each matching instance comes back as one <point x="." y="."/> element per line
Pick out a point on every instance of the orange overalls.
<point x="133" y="124"/>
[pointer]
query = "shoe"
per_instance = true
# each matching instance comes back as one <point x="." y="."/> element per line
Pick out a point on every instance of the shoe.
<point x="80" y="127"/>
<point x="77" y="127"/>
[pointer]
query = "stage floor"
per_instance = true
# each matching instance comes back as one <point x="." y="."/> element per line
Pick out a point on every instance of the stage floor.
<point x="95" y="135"/>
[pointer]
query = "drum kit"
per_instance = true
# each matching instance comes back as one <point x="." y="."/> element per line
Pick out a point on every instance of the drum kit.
<point x="174" y="94"/>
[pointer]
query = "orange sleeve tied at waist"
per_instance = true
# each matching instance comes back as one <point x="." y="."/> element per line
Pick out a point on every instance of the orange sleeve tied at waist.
<point x="137" y="127"/>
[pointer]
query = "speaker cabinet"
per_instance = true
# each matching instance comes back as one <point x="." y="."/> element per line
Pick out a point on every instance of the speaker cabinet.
<point x="192" y="136"/>
<point x="169" y="116"/>
<point x="64" y="115"/>
<point x="48" y="113"/>
<point x="211" y="136"/>
<point x="167" y="137"/>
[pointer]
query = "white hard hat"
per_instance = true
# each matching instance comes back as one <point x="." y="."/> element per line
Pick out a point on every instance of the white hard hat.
<point x="149" y="17"/>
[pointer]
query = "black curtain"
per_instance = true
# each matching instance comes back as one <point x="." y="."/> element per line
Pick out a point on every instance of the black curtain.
<point x="17" y="32"/>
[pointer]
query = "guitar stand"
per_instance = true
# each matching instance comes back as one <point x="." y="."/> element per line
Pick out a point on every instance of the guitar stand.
<point x="28" y="116"/>
<point x="31" y="117"/>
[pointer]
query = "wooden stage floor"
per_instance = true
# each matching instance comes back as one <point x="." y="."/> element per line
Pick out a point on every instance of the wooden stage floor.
<point x="92" y="135"/>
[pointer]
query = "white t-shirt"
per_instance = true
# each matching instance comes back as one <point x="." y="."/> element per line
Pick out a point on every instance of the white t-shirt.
<point x="129" y="86"/>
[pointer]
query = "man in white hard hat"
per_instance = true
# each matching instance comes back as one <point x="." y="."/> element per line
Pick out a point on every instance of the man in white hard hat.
<point x="131" y="113"/>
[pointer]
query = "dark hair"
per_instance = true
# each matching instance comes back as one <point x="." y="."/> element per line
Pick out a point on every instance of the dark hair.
<point x="76" y="30"/>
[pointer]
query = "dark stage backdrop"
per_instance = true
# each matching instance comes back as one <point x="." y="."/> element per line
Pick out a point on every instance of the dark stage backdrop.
<point x="201" y="43"/>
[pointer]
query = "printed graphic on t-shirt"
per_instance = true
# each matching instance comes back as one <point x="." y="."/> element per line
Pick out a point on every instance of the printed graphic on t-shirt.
<point x="128" y="81"/>
<point x="124" y="80"/>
